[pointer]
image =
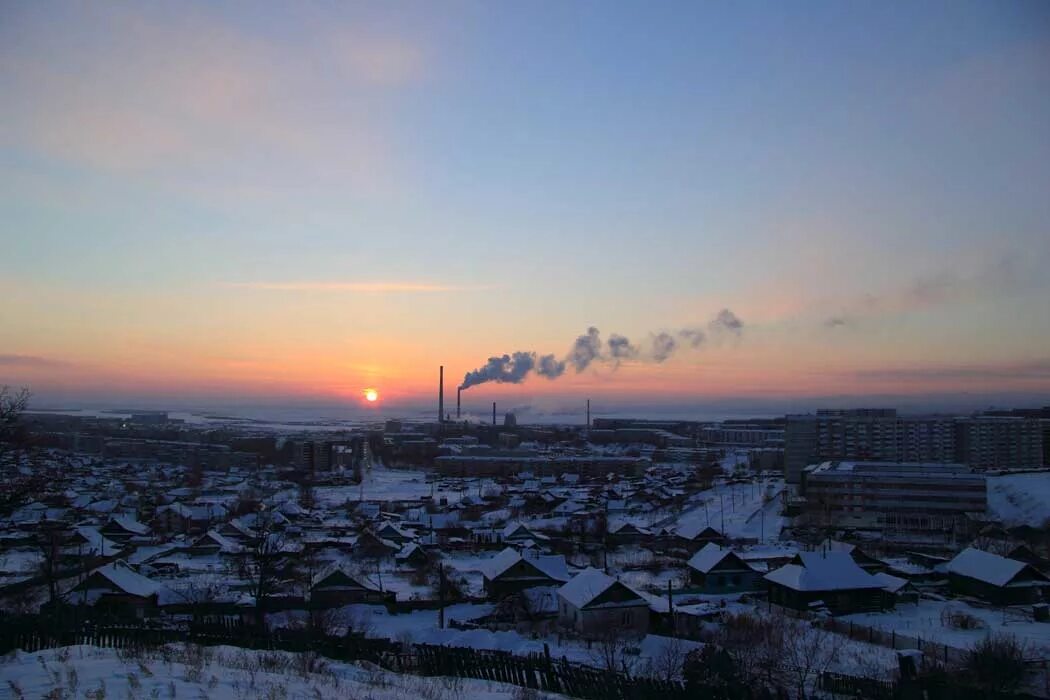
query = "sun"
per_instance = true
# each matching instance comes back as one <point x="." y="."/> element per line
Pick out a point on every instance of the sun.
<point x="371" y="395"/>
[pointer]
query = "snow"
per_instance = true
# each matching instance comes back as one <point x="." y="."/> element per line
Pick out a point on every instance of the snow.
<point x="985" y="566"/>
<point x="736" y="510"/>
<point x="820" y="571"/>
<point x="385" y="484"/>
<point x="925" y="620"/>
<point x="221" y="673"/>
<point x="551" y="565"/>
<point x="708" y="557"/>
<point x="128" y="580"/>
<point x="1020" y="499"/>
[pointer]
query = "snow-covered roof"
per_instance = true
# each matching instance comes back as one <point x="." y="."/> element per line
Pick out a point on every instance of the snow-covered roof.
<point x="130" y="524"/>
<point x="710" y="556"/>
<point x="97" y="542"/>
<point x="890" y="583"/>
<point x="588" y="585"/>
<point x="339" y="568"/>
<point x="985" y="566"/>
<point x="128" y="580"/>
<point x="552" y="565"/>
<point x="823" y="571"/>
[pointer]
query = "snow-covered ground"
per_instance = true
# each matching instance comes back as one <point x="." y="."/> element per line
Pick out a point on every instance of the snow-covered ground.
<point x="924" y="620"/>
<point x="1020" y="499"/>
<point x="220" y="673"/>
<point x="385" y="484"/>
<point x="746" y="510"/>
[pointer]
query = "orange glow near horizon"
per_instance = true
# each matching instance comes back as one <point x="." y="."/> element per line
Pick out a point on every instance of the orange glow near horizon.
<point x="371" y="395"/>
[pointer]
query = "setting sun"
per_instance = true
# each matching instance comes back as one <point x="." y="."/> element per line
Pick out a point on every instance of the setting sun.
<point x="371" y="395"/>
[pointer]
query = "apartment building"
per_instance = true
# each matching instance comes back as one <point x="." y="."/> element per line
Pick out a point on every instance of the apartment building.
<point x="900" y="500"/>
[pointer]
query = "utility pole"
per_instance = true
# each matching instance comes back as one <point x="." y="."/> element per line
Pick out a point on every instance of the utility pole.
<point x="670" y="609"/>
<point x="722" y="500"/>
<point x="441" y="596"/>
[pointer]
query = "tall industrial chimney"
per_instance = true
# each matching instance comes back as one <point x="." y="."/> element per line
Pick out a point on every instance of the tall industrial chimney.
<point x="588" y="414"/>
<point x="459" y="396"/>
<point x="494" y="413"/>
<point x="441" y="394"/>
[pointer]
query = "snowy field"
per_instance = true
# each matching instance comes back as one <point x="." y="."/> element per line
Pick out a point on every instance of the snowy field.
<point x="220" y="673"/>
<point x="924" y="620"/>
<point x="749" y="510"/>
<point x="384" y="484"/>
<point x="1020" y="499"/>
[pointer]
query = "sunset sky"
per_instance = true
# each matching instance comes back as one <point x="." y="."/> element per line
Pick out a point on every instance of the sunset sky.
<point x="237" y="202"/>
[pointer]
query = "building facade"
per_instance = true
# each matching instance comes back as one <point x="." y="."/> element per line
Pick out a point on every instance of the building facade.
<point x="923" y="501"/>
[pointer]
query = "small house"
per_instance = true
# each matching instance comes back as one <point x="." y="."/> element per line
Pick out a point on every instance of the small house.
<point x="336" y="586"/>
<point x="996" y="579"/>
<point x="716" y="569"/>
<point x="831" y="579"/>
<point x="512" y="571"/>
<point x="594" y="604"/>
<point x="118" y="589"/>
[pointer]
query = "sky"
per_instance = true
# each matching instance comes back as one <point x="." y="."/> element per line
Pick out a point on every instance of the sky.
<point x="282" y="203"/>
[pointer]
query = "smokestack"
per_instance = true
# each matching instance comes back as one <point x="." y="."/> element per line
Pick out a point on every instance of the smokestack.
<point x="441" y="394"/>
<point x="588" y="414"/>
<point x="459" y="396"/>
<point x="494" y="413"/>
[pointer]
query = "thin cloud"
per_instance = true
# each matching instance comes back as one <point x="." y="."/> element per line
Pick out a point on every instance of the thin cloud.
<point x="1033" y="369"/>
<point x="359" y="287"/>
<point x="30" y="361"/>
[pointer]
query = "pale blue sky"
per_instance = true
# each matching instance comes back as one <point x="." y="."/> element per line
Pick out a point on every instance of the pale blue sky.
<point x="636" y="166"/>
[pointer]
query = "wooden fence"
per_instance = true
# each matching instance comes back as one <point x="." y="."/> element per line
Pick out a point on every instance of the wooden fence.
<point x="538" y="671"/>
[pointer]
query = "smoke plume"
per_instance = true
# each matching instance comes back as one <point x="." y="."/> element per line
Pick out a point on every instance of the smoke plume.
<point x="585" y="350"/>
<point x="588" y="349"/>
<point x="694" y="336"/>
<point x="505" y="369"/>
<point x="620" y="348"/>
<point x="664" y="346"/>
<point x="549" y="367"/>
<point x="726" y="320"/>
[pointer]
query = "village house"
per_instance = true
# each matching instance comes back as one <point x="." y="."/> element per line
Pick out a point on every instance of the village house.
<point x="520" y="534"/>
<point x="715" y="569"/>
<point x="122" y="528"/>
<point x="594" y="604"/>
<point x="179" y="518"/>
<point x="336" y="586"/>
<point x="831" y="579"/>
<point x="996" y="579"/>
<point x="512" y="571"/>
<point x="119" y="589"/>
<point x="628" y="533"/>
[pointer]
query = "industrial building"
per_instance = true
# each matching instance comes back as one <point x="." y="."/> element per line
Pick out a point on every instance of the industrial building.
<point x="925" y="501"/>
<point x="588" y="466"/>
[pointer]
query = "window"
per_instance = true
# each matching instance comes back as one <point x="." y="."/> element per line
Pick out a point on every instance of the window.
<point x="626" y="619"/>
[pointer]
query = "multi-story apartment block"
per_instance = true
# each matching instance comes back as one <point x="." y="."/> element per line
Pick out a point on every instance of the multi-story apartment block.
<point x="980" y="442"/>
<point x="900" y="500"/>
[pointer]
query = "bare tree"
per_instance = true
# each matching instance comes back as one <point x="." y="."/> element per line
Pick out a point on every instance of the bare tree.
<point x="996" y="664"/>
<point x="262" y="563"/>
<point x="613" y="651"/>
<point x="13" y="403"/>
<point x="669" y="660"/>
<point x="49" y="542"/>
<point x="807" y="652"/>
